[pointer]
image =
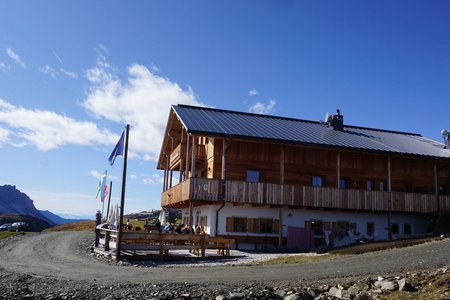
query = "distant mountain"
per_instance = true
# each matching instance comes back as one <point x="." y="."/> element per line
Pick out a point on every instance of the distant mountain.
<point x="14" y="202"/>
<point x="58" y="219"/>
<point x="77" y="218"/>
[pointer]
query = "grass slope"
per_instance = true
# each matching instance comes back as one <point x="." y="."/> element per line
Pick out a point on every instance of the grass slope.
<point x="77" y="226"/>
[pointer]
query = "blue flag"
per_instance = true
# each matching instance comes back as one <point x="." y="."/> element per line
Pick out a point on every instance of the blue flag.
<point x="118" y="149"/>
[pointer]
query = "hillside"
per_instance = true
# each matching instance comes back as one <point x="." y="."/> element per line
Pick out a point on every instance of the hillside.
<point x="13" y="201"/>
<point x="57" y="220"/>
<point x="35" y="224"/>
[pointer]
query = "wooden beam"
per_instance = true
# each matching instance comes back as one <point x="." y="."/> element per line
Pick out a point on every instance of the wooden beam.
<point x="436" y="187"/>
<point x="280" y="212"/>
<point x="389" y="215"/>
<point x="181" y="154"/>
<point x="338" y="170"/>
<point x="194" y="155"/>
<point x="188" y="152"/>
<point x="164" y="179"/>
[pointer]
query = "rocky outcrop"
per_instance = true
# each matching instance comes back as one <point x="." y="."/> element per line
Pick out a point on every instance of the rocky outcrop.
<point x="13" y="201"/>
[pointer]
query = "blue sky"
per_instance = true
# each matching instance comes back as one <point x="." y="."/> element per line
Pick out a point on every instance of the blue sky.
<point x="72" y="74"/>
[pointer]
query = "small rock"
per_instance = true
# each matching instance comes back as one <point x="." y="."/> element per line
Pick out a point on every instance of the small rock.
<point x="333" y="291"/>
<point x="389" y="285"/>
<point x="236" y="296"/>
<point x="378" y="291"/>
<point x="280" y="293"/>
<point x="401" y="284"/>
<point x="292" y="297"/>
<point x="353" y="290"/>
<point x="220" y="297"/>
<point x="185" y="296"/>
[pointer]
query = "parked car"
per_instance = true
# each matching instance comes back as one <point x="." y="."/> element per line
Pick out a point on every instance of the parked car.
<point x="19" y="226"/>
<point x="5" y="227"/>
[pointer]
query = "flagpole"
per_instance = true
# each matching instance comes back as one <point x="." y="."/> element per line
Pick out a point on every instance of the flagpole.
<point x="122" y="197"/>
<point x="109" y="199"/>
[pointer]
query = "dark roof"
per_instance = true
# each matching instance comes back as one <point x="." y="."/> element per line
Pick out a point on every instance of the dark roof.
<point x="217" y="122"/>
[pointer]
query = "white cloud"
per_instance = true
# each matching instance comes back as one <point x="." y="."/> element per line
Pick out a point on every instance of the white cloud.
<point x="143" y="100"/>
<point x="68" y="73"/>
<point x="96" y="174"/>
<point x="48" y="70"/>
<point x="133" y="176"/>
<point x="154" y="179"/>
<point x="253" y="92"/>
<point x="3" y="66"/>
<point x="48" y="130"/>
<point x="15" y="57"/>
<point x="4" y="136"/>
<point x="261" y="108"/>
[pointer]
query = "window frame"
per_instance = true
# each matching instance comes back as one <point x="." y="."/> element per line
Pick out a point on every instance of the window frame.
<point x="250" y="176"/>
<point x="318" y="177"/>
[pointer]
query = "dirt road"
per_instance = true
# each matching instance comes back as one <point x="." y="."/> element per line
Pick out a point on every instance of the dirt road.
<point x="59" y="255"/>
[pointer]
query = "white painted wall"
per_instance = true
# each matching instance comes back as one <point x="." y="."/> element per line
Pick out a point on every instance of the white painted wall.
<point x="297" y="218"/>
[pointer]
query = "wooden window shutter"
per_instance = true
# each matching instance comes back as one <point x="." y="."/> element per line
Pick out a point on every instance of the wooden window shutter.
<point x="276" y="226"/>
<point x="253" y="225"/>
<point x="308" y="224"/>
<point x="229" y="224"/>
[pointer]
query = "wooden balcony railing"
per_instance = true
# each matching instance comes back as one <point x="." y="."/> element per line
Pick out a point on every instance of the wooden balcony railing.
<point x="259" y="193"/>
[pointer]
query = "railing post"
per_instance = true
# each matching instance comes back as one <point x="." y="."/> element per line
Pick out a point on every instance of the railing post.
<point x="107" y="239"/>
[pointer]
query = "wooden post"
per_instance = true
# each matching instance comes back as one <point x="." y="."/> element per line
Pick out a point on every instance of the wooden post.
<point x="164" y="179"/>
<point x="166" y="172"/>
<point x="389" y="216"/>
<point x="181" y="155"/>
<point x="170" y="179"/>
<point x="338" y="170"/>
<point x="194" y="156"/>
<point x="188" y="152"/>
<point x="280" y="212"/>
<point x="436" y="188"/>
<point x="107" y="239"/>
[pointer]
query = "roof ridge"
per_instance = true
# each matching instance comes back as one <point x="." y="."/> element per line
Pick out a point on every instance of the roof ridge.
<point x="295" y="119"/>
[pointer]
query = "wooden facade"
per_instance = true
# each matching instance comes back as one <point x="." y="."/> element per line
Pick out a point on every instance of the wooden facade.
<point x="347" y="179"/>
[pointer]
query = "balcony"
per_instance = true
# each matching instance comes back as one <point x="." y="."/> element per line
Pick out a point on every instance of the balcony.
<point x="208" y="191"/>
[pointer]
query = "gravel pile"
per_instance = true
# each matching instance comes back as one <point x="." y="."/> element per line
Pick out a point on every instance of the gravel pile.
<point x="14" y="286"/>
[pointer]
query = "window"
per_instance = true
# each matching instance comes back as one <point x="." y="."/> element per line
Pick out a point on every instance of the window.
<point x="265" y="225"/>
<point x="316" y="226"/>
<point x="370" y="184"/>
<point x="318" y="181"/>
<point x="382" y="186"/>
<point x="407" y="229"/>
<point x="408" y="188"/>
<point x="203" y="221"/>
<point x="239" y="224"/>
<point x="253" y="176"/>
<point x="344" y="183"/>
<point x="395" y="228"/>
<point x="370" y="228"/>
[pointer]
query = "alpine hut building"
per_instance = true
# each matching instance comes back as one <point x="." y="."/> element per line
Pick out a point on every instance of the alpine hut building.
<point x="270" y="181"/>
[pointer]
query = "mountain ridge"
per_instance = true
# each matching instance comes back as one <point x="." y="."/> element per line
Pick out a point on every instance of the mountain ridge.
<point x="15" y="202"/>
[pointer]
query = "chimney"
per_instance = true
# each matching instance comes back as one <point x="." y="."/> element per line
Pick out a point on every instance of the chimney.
<point x="337" y="121"/>
<point x="446" y="136"/>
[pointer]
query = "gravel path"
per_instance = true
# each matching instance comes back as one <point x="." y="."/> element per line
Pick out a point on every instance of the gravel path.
<point x="59" y="260"/>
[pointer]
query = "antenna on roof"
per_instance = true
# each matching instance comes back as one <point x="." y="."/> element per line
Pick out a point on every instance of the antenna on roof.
<point x="446" y="136"/>
<point x="326" y="119"/>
